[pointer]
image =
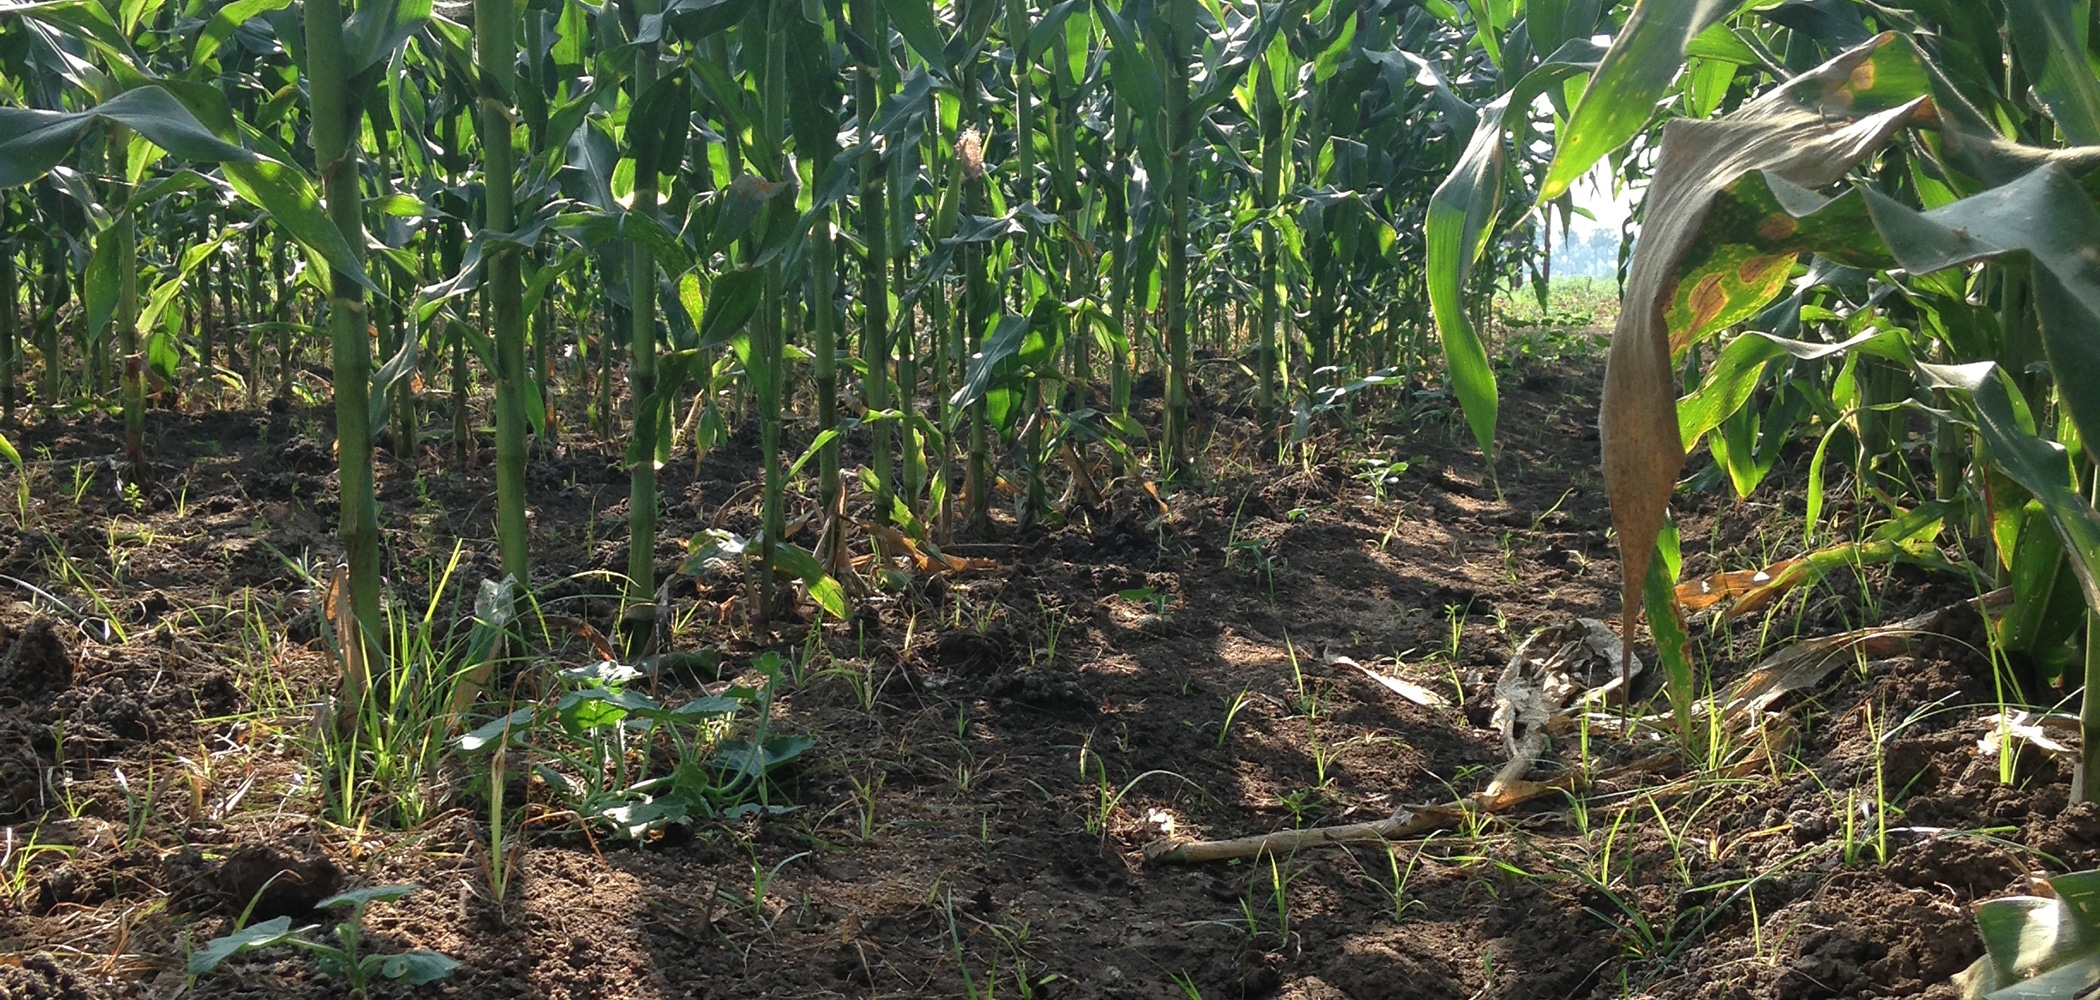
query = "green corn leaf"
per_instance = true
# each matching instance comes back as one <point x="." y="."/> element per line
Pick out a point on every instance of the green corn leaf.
<point x="571" y="29"/>
<point x="544" y="277"/>
<point x="822" y="588"/>
<point x="741" y="204"/>
<point x="389" y="376"/>
<point x="1136" y="79"/>
<point x="2080" y="891"/>
<point x="914" y="19"/>
<point x="658" y="123"/>
<point x="816" y="444"/>
<point x="1001" y="343"/>
<point x="222" y="25"/>
<point x="288" y="196"/>
<point x="377" y="29"/>
<point x="100" y="285"/>
<point x="89" y="22"/>
<point x="1461" y="217"/>
<point x="905" y="110"/>
<point x="31" y="142"/>
<point x="731" y="300"/>
<point x="1644" y="58"/>
<point x="1049" y="26"/>
<point x="1672" y="646"/>
<point x="2041" y="466"/>
<point x="1729" y="382"/>
<point x="1246" y="47"/>
<point x="2050" y="36"/>
<point x="697" y="19"/>
<point x="1461" y="213"/>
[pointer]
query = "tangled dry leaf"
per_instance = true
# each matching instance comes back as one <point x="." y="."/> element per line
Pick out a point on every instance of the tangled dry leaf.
<point x="1554" y="665"/>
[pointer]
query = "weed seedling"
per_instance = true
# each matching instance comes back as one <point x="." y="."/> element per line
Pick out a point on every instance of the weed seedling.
<point x="344" y="959"/>
<point x="1402" y="902"/>
<point x="1152" y="596"/>
<point x="1280" y="895"/>
<point x="1306" y="701"/>
<point x="1232" y="709"/>
<point x="15" y="861"/>
<point x="1107" y="797"/>
<point x="864" y="792"/>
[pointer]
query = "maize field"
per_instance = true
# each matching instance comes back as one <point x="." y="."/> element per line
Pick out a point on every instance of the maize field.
<point x="975" y="498"/>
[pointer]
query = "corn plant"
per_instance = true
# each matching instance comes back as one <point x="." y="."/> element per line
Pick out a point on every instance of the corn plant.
<point x="1850" y="220"/>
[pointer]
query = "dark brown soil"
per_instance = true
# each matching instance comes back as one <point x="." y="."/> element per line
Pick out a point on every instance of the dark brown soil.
<point x="154" y="743"/>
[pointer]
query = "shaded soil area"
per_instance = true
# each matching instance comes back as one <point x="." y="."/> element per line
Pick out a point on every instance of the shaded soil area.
<point x="995" y="747"/>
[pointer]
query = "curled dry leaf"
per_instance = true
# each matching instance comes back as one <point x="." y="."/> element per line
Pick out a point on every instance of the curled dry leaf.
<point x="925" y="558"/>
<point x="1810" y="132"/>
<point x="1741" y="586"/>
<point x="1753" y="590"/>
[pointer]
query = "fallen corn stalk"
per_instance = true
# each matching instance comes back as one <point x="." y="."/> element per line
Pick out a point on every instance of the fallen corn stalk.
<point x="1406" y="823"/>
<point x="1573" y="662"/>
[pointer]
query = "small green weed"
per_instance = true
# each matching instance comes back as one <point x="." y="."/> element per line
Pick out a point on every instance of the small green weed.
<point x="344" y="959"/>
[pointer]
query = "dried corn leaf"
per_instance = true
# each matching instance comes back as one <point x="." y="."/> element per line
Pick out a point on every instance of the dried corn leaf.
<point x="1399" y="685"/>
<point x="1575" y="659"/>
<point x="1082" y="483"/>
<point x="2054" y="732"/>
<point x="1698" y="595"/>
<point x="350" y="648"/>
<point x="1804" y="665"/>
<point x="925" y="558"/>
<point x="1152" y="490"/>
<point x="584" y="631"/>
<point x="1754" y="590"/>
<point x="1681" y="286"/>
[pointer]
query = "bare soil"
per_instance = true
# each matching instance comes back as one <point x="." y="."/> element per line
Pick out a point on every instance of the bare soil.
<point x="139" y="733"/>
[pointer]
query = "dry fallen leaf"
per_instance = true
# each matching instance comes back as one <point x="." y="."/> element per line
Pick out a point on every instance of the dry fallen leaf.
<point x="1404" y="688"/>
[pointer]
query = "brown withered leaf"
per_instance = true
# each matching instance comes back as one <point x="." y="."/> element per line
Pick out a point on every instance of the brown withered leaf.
<point x="1804" y="132"/>
<point x="1741" y="585"/>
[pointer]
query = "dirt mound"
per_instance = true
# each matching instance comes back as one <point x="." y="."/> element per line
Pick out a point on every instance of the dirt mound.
<point x="90" y="878"/>
<point x="25" y="754"/>
<point x="275" y="880"/>
<point x="39" y="978"/>
<point x="34" y="664"/>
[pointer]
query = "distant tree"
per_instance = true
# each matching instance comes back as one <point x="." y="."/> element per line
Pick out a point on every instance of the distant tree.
<point x="1590" y="253"/>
